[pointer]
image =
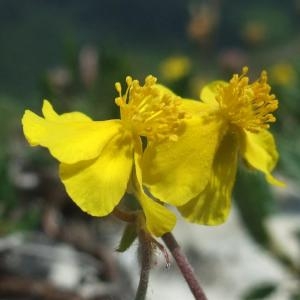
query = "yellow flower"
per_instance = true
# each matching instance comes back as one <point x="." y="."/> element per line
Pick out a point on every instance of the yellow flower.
<point x="197" y="173"/>
<point x="175" y="67"/>
<point x="101" y="160"/>
<point x="283" y="74"/>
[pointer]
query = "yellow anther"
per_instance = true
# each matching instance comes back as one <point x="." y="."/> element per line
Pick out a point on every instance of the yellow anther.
<point x="119" y="101"/>
<point x="246" y="105"/>
<point x="118" y="87"/>
<point x="128" y="80"/>
<point x="245" y="70"/>
<point x="150" y="110"/>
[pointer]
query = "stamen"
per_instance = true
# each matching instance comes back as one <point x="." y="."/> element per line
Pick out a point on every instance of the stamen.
<point x="128" y="80"/>
<point x="118" y="88"/>
<point x="249" y="106"/>
<point x="150" y="110"/>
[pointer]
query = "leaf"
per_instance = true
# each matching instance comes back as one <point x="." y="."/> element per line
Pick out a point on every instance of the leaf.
<point x="295" y="296"/>
<point x="260" y="291"/>
<point x="129" y="236"/>
<point x="255" y="202"/>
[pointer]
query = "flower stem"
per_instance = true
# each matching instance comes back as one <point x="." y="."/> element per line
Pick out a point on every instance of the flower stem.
<point x="184" y="266"/>
<point x="125" y="216"/>
<point x="146" y="258"/>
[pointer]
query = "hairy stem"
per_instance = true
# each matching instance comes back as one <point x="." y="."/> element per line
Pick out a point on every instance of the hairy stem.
<point x="146" y="257"/>
<point x="184" y="266"/>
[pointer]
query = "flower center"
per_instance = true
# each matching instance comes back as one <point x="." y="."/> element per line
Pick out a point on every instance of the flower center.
<point x="150" y="110"/>
<point x="246" y="105"/>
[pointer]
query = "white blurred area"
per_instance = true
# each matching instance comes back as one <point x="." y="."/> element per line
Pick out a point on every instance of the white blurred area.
<point x="226" y="260"/>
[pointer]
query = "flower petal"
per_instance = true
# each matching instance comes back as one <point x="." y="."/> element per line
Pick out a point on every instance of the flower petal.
<point x="48" y="111"/>
<point x="50" y="114"/>
<point x="209" y="92"/>
<point x="212" y="205"/>
<point x="164" y="90"/>
<point x="70" y="137"/>
<point x="196" y="108"/>
<point x="259" y="151"/>
<point x="188" y="105"/>
<point x="175" y="172"/>
<point x="98" y="185"/>
<point x="159" y="220"/>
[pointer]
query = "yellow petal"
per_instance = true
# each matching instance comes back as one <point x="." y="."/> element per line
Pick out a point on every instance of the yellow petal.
<point x="48" y="111"/>
<point x="70" y="137"/>
<point x="212" y="205"/>
<point x="50" y="114"/>
<point x="163" y="89"/>
<point x="159" y="220"/>
<point x="209" y="91"/>
<point x="175" y="172"/>
<point x="138" y="154"/>
<point x="259" y="151"/>
<point x="98" y="185"/>
<point x="196" y="108"/>
<point x="188" y="105"/>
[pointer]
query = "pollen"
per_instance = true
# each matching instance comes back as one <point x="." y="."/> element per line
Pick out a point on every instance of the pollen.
<point x="248" y="105"/>
<point x="150" y="110"/>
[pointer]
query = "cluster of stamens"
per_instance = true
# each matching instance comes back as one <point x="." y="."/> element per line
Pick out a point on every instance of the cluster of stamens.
<point x="249" y="106"/>
<point x="150" y="110"/>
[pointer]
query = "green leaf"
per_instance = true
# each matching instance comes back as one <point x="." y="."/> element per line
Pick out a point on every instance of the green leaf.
<point x="128" y="238"/>
<point x="255" y="202"/>
<point x="295" y="297"/>
<point x="260" y="291"/>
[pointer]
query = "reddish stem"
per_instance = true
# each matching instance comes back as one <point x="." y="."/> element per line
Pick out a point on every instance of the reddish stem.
<point x="146" y="258"/>
<point x="125" y="216"/>
<point x="184" y="266"/>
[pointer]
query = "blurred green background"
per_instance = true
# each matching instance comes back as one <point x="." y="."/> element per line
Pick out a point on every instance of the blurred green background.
<point x="72" y="53"/>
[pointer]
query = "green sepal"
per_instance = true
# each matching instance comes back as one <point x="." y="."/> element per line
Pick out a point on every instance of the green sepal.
<point x="129" y="236"/>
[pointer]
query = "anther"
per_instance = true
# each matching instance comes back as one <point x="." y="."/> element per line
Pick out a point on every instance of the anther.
<point x="245" y="70"/>
<point x="119" y="101"/>
<point x="128" y="80"/>
<point x="118" y="87"/>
